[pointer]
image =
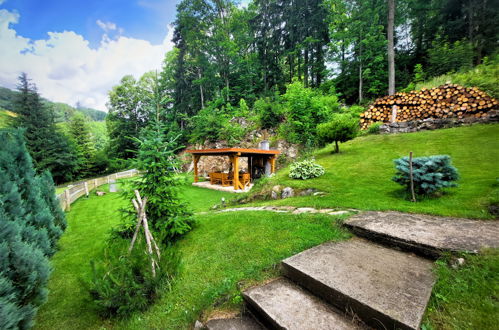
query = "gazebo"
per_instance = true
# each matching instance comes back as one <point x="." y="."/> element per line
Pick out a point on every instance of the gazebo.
<point x="259" y="160"/>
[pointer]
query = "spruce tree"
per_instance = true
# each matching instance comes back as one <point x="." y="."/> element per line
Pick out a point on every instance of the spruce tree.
<point x="85" y="150"/>
<point x="48" y="147"/>
<point x="28" y="234"/>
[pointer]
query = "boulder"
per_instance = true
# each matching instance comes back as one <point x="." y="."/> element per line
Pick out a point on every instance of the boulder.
<point x="287" y="192"/>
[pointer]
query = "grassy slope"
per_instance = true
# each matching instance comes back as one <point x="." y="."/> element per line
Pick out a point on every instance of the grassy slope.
<point x="6" y="118"/>
<point x="360" y="175"/>
<point x="223" y="252"/>
<point x="89" y="223"/>
<point x="466" y="297"/>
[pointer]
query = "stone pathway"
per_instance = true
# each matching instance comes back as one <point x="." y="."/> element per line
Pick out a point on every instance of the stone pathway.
<point x="360" y="283"/>
<point x="289" y="209"/>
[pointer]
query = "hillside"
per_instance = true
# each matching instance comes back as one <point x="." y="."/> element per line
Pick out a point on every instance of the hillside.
<point x="62" y="111"/>
<point x="360" y="175"/>
<point x="6" y="117"/>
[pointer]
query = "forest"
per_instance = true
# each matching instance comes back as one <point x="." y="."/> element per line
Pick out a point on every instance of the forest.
<point x="283" y="66"/>
<point x="287" y="65"/>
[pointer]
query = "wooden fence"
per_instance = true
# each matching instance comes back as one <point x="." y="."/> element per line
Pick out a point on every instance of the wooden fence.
<point x="73" y="192"/>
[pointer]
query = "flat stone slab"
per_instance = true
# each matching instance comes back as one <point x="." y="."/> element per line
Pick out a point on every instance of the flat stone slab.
<point x="385" y="288"/>
<point x="237" y="323"/>
<point x="284" y="305"/>
<point x="425" y="234"/>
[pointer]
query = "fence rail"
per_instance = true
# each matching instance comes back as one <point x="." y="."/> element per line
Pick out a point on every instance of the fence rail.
<point x="73" y="192"/>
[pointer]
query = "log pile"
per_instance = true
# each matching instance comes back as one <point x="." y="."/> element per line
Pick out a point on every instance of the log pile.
<point x="446" y="101"/>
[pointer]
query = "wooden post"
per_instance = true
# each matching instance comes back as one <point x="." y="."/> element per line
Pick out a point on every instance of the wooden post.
<point x="95" y="183"/>
<point x="67" y="197"/>
<point x="394" y="114"/>
<point x="412" y="179"/>
<point x="236" y="172"/>
<point x="272" y="164"/>
<point x="196" y="160"/>
<point x="108" y="179"/>
<point x="86" y="188"/>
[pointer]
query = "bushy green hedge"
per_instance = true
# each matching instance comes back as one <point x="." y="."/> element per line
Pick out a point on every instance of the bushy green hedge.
<point x="306" y="169"/>
<point x="430" y="174"/>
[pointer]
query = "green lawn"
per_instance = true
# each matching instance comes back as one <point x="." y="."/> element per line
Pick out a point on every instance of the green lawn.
<point x="223" y="253"/>
<point x="360" y="175"/>
<point x="466" y="297"/>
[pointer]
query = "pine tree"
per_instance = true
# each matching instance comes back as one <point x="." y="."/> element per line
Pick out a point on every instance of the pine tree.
<point x="48" y="147"/>
<point x="85" y="150"/>
<point x="28" y="234"/>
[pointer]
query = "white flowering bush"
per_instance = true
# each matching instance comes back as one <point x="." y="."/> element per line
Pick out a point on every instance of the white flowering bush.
<point x="306" y="169"/>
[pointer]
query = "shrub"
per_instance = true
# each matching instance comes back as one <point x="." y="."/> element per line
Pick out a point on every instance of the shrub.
<point x="28" y="233"/>
<point x="341" y="128"/>
<point x="374" y="128"/>
<point x="306" y="169"/>
<point x="123" y="284"/>
<point x="429" y="173"/>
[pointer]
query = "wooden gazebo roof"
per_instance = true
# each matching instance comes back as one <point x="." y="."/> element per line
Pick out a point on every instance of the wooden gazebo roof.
<point x="232" y="151"/>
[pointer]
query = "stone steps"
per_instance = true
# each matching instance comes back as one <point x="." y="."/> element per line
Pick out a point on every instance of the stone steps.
<point x="425" y="235"/>
<point x="281" y="304"/>
<point x="385" y="288"/>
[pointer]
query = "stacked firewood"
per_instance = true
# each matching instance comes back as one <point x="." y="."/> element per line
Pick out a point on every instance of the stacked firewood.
<point x="446" y="101"/>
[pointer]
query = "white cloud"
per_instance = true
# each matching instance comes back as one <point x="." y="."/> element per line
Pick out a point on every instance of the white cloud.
<point x="106" y="26"/>
<point x="66" y="69"/>
<point x="1" y="2"/>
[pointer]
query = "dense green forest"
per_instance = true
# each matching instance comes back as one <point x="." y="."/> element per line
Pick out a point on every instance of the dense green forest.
<point x="69" y="142"/>
<point x="62" y="112"/>
<point x="288" y="65"/>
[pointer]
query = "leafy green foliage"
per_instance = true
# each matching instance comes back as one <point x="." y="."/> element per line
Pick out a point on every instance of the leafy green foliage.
<point x="122" y="284"/>
<point x="28" y="233"/>
<point x="341" y="128"/>
<point x="304" y="108"/>
<point x="445" y="57"/>
<point x="374" y="128"/>
<point x="306" y="169"/>
<point x="430" y="174"/>
<point x="483" y="76"/>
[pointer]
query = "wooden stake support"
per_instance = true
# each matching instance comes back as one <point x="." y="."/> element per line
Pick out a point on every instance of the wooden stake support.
<point x="411" y="177"/>
<point x="140" y="207"/>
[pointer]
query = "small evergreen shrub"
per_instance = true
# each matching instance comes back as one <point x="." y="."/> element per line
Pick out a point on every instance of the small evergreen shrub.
<point x="306" y="169"/>
<point x="122" y="284"/>
<point x="430" y="174"/>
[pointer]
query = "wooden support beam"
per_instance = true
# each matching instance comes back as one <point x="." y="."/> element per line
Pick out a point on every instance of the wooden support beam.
<point x="272" y="165"/>
<point x="196" y="160"/>
<point x="236" y="172"/>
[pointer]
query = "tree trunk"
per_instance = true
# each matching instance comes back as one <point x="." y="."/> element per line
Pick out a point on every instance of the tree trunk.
<point x="201" y="89"/>
<point x="305" y="69"/>
<point x="336" y="147"/>
<point x="360" y="82"/>
<point x="391" y="50"/>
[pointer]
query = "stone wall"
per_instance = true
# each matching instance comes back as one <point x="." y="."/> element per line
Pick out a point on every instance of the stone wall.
<point x="430" y="124"/>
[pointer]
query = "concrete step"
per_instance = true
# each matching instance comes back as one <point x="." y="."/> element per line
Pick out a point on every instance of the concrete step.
<point x="281" y="304"/>
<point x="424" y="234"/>
<point x="385" y="288"/>
<point x="236" y="323"/>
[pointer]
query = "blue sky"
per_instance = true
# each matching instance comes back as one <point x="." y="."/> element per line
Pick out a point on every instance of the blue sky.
<point x="141" y="19"/>
<point x="76" y="51"/>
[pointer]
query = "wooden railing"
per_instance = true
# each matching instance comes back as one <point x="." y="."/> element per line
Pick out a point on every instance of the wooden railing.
<point x="73" y="192"/>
